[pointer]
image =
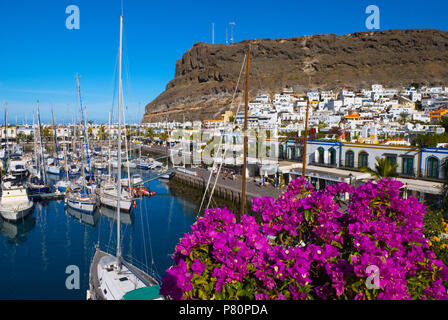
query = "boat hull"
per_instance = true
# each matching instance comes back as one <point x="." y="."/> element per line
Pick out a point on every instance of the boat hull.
<point x="55" y="170"/>
<point x="98" y="290"/>
<point x="87" y="207"/>
<point x="35" y="190"/>
<point x="125" y="205"/>
<point x="15" y="214"/>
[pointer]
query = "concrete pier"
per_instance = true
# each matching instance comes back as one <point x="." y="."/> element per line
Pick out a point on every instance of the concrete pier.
<point x="226" y="188"/>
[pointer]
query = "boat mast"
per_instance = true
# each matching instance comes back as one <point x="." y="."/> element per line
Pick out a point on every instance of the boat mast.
<point x="306" y="137"/>
<point x="246" y="100"/>
<point x="65" y="150"/>
<point x="35" y="146"/>
<point x="41" y="145"/>
<point x="5" y="160"/>
<point x="126" y="144"/>
<point x="86" y="140"/>
<point x="109" y="170"/>
<point x="80" y="121"/>
<point x="119" y="145"/>
<point x="55" y="136"/>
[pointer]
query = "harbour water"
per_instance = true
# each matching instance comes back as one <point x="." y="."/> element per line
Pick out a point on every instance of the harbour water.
<point x="35" y="254"/>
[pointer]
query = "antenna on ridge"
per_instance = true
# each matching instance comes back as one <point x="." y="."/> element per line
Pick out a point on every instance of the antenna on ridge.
<point x="227" y="41"/>
<point x="213" y="33"/>
<point x="231" y="36"/>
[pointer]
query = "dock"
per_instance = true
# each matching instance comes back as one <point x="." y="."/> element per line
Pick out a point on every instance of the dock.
<point x="227" y="188"/>
<point x="47" y="196"/>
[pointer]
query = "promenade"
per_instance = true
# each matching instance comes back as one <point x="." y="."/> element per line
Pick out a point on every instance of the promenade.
<point x="228" y="188"/>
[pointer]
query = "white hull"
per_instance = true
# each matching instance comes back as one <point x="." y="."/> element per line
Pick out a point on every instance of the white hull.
<point x="134" y="182"/>
<point x="55" y="170"/>
<point x="107" y="283"/>
<point x="19" y="212"/>
<point x="125" y="205"/>
<point x="14" y="202"/>
<point x="81" y="206"/>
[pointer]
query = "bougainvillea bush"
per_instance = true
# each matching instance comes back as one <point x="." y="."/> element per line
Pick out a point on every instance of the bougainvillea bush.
<point x="311" y="245"/>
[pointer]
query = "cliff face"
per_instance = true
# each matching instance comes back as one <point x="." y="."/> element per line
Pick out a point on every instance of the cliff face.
<point x="206" y="76"/>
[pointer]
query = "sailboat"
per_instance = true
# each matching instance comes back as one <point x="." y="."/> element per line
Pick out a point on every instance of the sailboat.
<point x="82" y="198"/>
<point x="62" y="185"/>
<point x="108" y="193"/>
<point x="53" y="166"/>
<point x="108" y="196"/>
<point x="37" y="184"/>
<point x="111" y="277"/>
<point x="14" y="201"/>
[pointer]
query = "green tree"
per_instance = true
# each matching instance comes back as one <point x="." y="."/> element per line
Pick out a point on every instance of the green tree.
<point x="444" y="167"/>
<point x="431" y="139"/>
<point x="383" y="169"/>
<point x="90" y="132"/>
<point x="418" y="105"/>
<point x="416" y="85"/>
<point x="102" y="132"/>
<point x="20" y="136"/>
<point x="149" y="133"/>
<point x="444" y="122"/>
<point x="403" y="117"/>
<point x="47" y="133"/>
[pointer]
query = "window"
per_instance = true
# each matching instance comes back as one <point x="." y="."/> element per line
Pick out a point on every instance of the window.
<point x="350" y="159"/>
<point x="408" y="166"/>
<point x="392" y="158"/>
<point x="321" y="155"/>
<point x="432" y="167"/>
<point x="332" y="156"/>
<point x="363" y="159"/>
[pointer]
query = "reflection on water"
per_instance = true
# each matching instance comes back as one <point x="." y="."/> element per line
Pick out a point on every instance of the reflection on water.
<point x="16" y="232"/>
<point x="35" y="252"/>
<point x="125" y="217"/>
<point x="90" y="219"/>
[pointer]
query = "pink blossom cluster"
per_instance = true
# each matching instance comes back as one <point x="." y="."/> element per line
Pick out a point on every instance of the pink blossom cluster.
<point x="311" y="245"/>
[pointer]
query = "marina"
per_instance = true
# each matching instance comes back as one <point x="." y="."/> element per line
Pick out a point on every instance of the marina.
<point x="39" y="248"/>
<point x="143" y="158"/>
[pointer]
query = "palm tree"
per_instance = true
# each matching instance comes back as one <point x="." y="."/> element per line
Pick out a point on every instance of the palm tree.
<point x="101" y="132"/>
<point x="404" y="116"/>
<point x="383" y="169"/>
<point x="444" y="167"/>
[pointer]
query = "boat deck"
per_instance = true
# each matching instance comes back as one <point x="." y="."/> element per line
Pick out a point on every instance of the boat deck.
<point x="95" y="288"/>
<point x="94" y="284"/>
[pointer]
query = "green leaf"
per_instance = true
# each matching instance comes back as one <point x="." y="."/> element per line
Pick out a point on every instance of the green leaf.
<point x="308" y="215"/>
<point x="336" y="244"/>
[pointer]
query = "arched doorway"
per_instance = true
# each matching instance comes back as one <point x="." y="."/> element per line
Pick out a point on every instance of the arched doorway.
<point x="350" y="159"/>
<point x="432" y="167"/>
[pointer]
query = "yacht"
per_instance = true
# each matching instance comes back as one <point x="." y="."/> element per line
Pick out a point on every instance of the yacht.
<point x="18" y="168"/>
<point x="110" y="276"/>
<point x="136" y="180"/>
<point x="80" y="199"/>
<point x="108" y="196"/>
<point x="55" y="169"/>
<point x="14" y="202"/>
<point x="74" y="170"/>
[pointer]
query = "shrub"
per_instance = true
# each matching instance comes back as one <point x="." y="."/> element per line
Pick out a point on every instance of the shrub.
<point x="311" y="245"/>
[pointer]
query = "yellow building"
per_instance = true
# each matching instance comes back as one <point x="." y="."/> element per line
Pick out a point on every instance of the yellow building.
<point x="352" y="116"/>
<point x="227" y="116"/>
<point x="438" y="114"/>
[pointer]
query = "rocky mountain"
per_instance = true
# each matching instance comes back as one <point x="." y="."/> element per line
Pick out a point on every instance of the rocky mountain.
<point x="206" y="76"/>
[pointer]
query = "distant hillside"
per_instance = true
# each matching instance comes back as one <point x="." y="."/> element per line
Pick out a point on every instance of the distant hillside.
<point x="206" y="75"/>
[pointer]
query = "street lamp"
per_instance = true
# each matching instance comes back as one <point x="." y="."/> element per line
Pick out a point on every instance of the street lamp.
<point x="350" y="176"/>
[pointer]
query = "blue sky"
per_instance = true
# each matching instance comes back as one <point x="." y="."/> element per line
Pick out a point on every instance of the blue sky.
<point x="39" y="56"/>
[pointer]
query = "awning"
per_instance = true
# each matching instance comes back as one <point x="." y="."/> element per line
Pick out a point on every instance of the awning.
<point x="146" y="293"/>
<point x="268" y="170"/>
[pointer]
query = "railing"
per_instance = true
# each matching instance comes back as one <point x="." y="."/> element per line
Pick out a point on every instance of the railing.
<point x="328" y="165"/>
<point x="432" y="178"/>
